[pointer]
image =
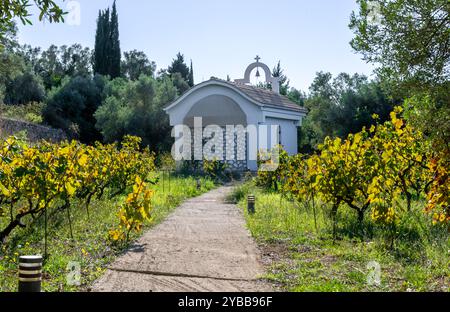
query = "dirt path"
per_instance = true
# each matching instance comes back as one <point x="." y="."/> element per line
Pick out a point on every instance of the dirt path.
<point x="202" y="246"/>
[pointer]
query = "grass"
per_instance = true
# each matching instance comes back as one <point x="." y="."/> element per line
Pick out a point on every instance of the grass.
<point x="90" y="246"/>
<point x="303" y="256"/>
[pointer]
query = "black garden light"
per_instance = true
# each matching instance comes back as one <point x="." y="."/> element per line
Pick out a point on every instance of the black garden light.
<point x="251" y="204"/>
<point x="30" y="273"/>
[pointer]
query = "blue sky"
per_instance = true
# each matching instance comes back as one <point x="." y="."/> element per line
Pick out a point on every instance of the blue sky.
<point x="223" y="37"/>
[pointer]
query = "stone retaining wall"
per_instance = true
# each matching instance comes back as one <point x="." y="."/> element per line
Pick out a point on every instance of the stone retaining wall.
<point x="34" y="132"/>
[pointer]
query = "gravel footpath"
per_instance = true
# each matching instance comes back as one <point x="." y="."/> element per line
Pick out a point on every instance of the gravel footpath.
<point x="202" y="246"/>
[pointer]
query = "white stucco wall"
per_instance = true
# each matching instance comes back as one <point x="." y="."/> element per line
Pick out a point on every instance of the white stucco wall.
<point x="288" y="133"/>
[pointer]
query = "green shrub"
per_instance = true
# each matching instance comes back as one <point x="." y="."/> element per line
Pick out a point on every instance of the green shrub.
<point x="31" y="112"/>
<point x="165" y="161"/>
<point x="271" y="179"/>
<point x="214" y="168"/>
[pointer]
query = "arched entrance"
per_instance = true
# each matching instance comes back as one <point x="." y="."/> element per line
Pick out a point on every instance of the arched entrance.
<point x="226" y="114"/>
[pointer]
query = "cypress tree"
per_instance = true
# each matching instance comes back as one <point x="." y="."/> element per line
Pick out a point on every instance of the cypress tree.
<point x="106" y="46"/>
<point x="102" y="43"/>
<point x="191" y="76"/>
<point x="178" y="66"/>
<point x="99" y="42"/>
<point x="115" y="54"/>
<point x="107" y="53"/>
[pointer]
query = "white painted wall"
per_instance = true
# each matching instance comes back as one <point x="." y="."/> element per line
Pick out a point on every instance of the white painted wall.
<point x="288" y="133"/>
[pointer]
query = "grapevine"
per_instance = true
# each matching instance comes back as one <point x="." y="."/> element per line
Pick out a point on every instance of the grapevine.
<point x="380" y="169"/>
<point x="34" y="179"/>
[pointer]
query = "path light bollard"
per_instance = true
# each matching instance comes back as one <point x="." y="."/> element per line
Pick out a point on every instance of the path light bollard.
<point x="30" y="273"/>
<point x="251" y="204"/>
<point x="199" y="186"/>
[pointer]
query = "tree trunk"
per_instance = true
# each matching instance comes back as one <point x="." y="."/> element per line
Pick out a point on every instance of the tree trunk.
<point x="314" y="210"/>
<point x="11" y="226"/>
<point x="360" y="216"/>
<point x="69" y="218"/>
<point x="334" y="210"/>
<point x="408" y="200"/>
<point x="88" y="202"/>
<point x="405" y="190"/>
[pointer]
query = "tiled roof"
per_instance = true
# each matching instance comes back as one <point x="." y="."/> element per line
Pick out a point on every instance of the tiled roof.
<point x="266" y="97"/>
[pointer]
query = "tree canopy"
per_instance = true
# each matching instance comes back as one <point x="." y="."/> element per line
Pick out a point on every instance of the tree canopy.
<point x="340" y="106"/>
<point x="185" y="73"/>
<point x="55" y="63"/>
<point x="136" y="108"/>
<point x="25" y="88"/>
<point x="135" y="63"/>
<point x="127" y="96"/>
<point x="409" y="40"/>
<point x="284" y="81"/>
<point x="71" y="107"/>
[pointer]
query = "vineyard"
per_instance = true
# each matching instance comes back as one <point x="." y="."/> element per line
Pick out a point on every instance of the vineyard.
<point x="74" y="202"/>
<point x="379" y="195"/>
<point x="376" y="169"/>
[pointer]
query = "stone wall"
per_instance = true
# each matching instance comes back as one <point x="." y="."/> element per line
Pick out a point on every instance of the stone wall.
<point x="34" y="132"/>
<point x="233" y="150"/>
<point x="236" y="156"/>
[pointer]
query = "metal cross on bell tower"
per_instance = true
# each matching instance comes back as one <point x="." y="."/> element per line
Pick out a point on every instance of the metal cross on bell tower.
<point x="273" y="81"/>
<point x="257" y="58"/>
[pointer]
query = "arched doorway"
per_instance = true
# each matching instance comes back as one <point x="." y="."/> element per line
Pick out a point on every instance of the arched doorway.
<point x="224" y="112"/>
